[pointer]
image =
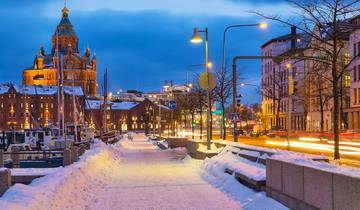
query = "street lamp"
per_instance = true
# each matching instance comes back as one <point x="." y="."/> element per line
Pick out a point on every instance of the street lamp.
<point x="290" y="93"/>
<point x="262" y="25"/>
<point x="196" y="39"/>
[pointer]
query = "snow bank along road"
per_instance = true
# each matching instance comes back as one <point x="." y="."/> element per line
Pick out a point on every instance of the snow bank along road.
<point x="133" y="175"/>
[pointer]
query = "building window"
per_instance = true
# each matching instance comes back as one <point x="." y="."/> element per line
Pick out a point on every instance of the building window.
<point x="355" y="95"/>
<point x="347" y="58"/>
<point x="347" y="80"/>
<point x="354" y="48"/>
<point x="354" y="73"/>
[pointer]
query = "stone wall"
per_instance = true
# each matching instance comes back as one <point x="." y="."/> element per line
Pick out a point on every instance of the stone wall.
<point x="302" y="187"/>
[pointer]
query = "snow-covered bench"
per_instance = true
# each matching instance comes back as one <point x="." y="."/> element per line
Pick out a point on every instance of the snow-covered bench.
<point x="248" y="172"/>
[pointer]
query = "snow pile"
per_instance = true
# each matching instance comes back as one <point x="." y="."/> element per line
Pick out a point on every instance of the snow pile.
<point x="213" y="171"/>
<point x="226" y="159"/>
<point x="213" y="148"/>
<point x="53" y="190"/>
<point x="348" y="171"/>
<point x="33" y="171"/>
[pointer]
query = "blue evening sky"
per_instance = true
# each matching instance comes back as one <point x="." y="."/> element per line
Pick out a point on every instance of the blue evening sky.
<point x="141" y="42"/>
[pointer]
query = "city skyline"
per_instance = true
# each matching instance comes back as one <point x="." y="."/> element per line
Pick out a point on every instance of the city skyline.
<point x="144" y="66"/>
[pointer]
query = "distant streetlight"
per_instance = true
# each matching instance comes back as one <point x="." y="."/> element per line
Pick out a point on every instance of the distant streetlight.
<point x="261" y="25"/>
<point x="196" y="39"/>
<point x="246" y="84"/>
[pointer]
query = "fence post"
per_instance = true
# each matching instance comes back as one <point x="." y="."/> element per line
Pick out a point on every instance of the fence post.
<point x="74" y="154"/>
<point x="1" y="159"/>
<point x="5" y="180"/>
<point x="67" y="157"/>
<point x="15" y="156"/>
<point x="81" y="149"/>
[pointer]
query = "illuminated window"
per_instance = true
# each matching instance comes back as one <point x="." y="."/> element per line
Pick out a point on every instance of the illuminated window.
<point x="347" y="80"/>
<point x="347" y="58"/>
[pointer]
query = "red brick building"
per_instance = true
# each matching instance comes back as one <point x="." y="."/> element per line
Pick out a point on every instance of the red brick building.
<point x="128" y="116"/>
<point x="26" y="107"/>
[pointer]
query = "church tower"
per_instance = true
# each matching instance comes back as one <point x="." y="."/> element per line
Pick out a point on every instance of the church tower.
<point x="78" y="69"/>
<point x="66" y="34"/>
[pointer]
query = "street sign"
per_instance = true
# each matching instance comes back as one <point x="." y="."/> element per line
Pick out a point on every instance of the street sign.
<point x="172" y="104"/>
<point x="203" y="81"/>
<point x="235" y="117"/>
<point x="218" y="112"/>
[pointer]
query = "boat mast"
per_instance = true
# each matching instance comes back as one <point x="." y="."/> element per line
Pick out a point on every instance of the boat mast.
<point x="74" y="106"/>
<point x="58" y="78"/>
<point x="62" y="97"/>
<point x="105" y="100"/>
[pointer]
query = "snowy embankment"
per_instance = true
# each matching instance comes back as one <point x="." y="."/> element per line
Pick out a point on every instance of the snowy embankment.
<point x="213" y="170"/>
<point x="131" y="176"/>
<point x="54" y="189"/>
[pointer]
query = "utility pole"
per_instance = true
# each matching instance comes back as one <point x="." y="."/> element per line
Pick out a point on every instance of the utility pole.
<point x="234" y="78"/>
<point x="105" y="100"/>
<point x="159" y="120"/>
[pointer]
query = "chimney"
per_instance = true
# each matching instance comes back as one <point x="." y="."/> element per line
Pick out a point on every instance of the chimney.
<point x="293" y="37"/>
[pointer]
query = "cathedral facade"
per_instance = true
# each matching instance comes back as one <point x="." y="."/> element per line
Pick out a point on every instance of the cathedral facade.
<point x="64" y="61"/>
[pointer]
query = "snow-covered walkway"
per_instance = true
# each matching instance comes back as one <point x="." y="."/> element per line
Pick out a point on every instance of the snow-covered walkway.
<point x="133" y="175"/>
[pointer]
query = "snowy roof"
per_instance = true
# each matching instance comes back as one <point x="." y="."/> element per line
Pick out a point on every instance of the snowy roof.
<point x="180" y="88"/>
<point x="46" y="90"/>
<point x="125" y="105"/>
<point x="41" y="89"/>
<point x="76" y="90"/>
<point x="4" y="89"/>
<point x="162" y="106"/>
<point x="92" y="104"/>
<point x="36" y="90"/>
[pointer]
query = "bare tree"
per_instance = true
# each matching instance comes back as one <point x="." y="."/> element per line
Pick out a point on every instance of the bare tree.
<point x="325" y="21"/>
<point x="222" y="93"/>
<point x="275" y="89"/>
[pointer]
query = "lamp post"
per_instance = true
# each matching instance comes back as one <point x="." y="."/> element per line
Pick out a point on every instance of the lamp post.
<point x="290" y="93"/>
<point x="262" y="26"/>
<point x="196" y="39"/>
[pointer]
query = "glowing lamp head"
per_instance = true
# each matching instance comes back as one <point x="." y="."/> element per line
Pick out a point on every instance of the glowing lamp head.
<point x="288" y="65"/>
<point x="210" y="65"/>
<point x="263" y="25"/>
<point x="196" y="37"/>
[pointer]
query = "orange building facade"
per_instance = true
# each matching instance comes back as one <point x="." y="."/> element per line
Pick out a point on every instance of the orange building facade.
<point x="77" y="69"/>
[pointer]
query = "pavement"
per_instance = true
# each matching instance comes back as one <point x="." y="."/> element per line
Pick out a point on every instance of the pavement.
<point x="155" y="179"/>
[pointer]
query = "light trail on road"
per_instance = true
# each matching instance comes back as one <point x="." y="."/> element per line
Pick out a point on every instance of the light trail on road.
<point x="348" y="150"/>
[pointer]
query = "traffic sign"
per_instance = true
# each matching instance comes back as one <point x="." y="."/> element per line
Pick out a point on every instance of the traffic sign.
<point x="172" y="104"/>
<point x="205" y="83"/>
<point x="235" y="117"/>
